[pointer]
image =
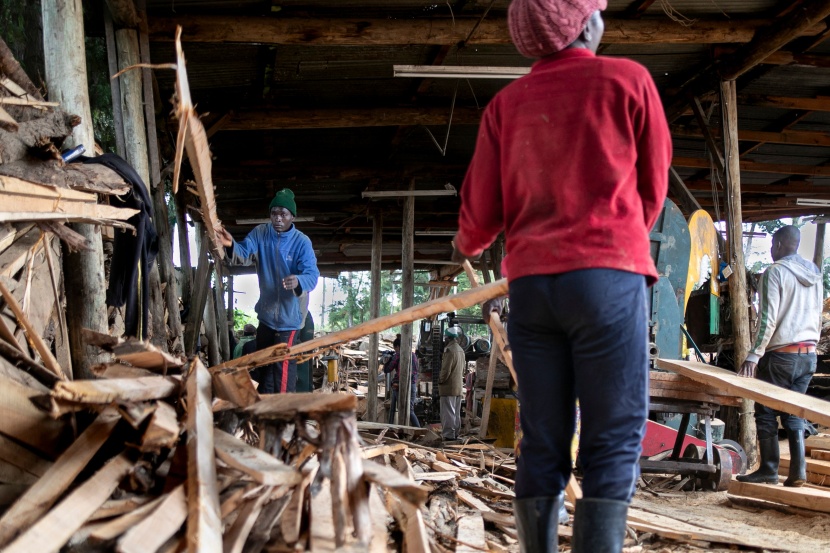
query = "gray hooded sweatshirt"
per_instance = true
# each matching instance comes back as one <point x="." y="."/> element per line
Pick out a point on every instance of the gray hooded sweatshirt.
<point x="791" y="297"/>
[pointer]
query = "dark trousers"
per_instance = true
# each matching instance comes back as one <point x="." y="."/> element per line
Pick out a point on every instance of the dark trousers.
<point x="277" y="378"/>
<point x="791" y="371"/>
<point x="581" y="334"/>
<point x="413" y="418"/>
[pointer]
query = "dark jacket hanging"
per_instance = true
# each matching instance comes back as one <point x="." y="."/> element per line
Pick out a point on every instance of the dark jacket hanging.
<point x="133" y="253"/>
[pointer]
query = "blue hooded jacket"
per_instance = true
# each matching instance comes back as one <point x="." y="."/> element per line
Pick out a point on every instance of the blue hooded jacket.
<point x="277" y="255"/>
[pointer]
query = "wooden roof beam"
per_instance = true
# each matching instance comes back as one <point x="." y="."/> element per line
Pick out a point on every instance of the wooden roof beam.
<point x="765" y="43"/>
<point x="791" y="26"/>
<point x="755" y="167"/>
<point x="438" y="31"/>
<point x="800" y="189"/>
<point x="800" y="138"/>
<point x="819" y="103"/>
<point x="265" y="119"/>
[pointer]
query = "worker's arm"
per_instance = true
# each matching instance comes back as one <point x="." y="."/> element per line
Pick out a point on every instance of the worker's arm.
<point x="769" y="293"/>
<point x="446" y="367"/>
<point x="654" y="151"/>
<point x="239" y="252"/>
<point x="480" y="219"/>
<point x="307" y="273"/>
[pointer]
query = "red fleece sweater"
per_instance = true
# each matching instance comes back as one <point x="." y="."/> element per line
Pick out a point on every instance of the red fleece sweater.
<point x="572" y="162"/>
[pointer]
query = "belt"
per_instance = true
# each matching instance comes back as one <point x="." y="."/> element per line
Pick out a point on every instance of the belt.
<point x="803" y="347"/>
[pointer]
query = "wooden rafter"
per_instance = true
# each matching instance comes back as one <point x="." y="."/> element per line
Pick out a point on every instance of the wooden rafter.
<point x="799" y="138"/>
<point x="437" y="31"/>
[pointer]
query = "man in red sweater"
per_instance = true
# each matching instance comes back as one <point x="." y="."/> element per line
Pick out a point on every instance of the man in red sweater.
<point x="572" y="163"/>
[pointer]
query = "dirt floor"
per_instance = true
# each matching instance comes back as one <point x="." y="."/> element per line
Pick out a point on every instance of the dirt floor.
<point x="778" y="527"/>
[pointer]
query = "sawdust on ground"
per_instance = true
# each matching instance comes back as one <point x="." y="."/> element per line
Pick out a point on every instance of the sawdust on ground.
<point x="778" y="527"/>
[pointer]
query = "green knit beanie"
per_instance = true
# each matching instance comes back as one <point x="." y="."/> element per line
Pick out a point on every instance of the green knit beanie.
<point x="284" y="198"/>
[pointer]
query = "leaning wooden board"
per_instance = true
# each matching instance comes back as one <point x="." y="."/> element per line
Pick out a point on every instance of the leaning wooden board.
<point x="813" y="409"/>
<point x="806" y="498"/>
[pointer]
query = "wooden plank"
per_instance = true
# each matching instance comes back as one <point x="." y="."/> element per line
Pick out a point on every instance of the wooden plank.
<point x="256" y="463"/>
<point x="695" y="396"/>
<point x="117" y="507"/>
<point x="680" y="530"/>
<point x="287" y="406"/>
<point x="488" y="391"/>
<point x="57" y="479"/>
<point x="822" y="441"/>
<point x="235" y="537"/>
<point x="32" y="335"/>
<point x="814" y="409"/>
<point x="422" y="311"/>
<point x="436" y="31"/>
<point x="136" y="352"/>
<point x="20" y="187"/>
<point x="21" y="420"/>
<point x="395" y="482"/>
<point x="809" y="498"/>
<point x="23" y="458"/>
<point x="471" y="537"/>
<point x="799" y="138"/>
<point x="472" y="501"/>
<point x="757" y="167"/>
<point x="193" y="139"/>
<point x="163" y="430"/>
<point x="237" y="387"/>
<point x="816" y="466"/>
<point x="7" y="122"/>
<point x="66" y="209"/>
<point x="374" y="312"/>
<point x="378" y="450"/>
<point x="53" y="530"/>
<point x="820" y="454"/>
<point x="117" y="390"/>
<point x="152" y="532"/>
<point x="117" y="526"/>
<point x="819" y="103"/>
<point x="204" y="525"/>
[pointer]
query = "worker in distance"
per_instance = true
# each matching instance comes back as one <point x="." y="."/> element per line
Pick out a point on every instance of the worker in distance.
<point x="286" y="267"/>
<point x="791" y="294"/>
<point x="572" y="163"/>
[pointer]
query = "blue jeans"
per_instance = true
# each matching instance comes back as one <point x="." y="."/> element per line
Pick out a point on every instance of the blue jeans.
<point x="581" y="334"/>
<point x="791" y="371"/>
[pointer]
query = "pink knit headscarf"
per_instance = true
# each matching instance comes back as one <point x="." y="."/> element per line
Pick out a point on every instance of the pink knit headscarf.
<point x="543" y="27"/>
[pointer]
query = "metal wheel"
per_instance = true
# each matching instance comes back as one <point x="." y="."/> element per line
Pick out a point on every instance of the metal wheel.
<point x="739" y="463"/>
<point x="719" y="480"/>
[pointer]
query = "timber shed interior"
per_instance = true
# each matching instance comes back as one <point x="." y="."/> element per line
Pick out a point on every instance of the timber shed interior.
<point x="301" y="93"/>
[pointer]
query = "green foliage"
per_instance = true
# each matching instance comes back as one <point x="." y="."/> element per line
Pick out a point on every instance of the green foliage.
<point x="354" y="308"/>
<point x="241" y="318"/>
<point x="100" y="94"/>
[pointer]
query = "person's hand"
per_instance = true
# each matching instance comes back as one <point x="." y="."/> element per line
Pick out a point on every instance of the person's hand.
<point x="290" y="282"/>
<point x="394" y="385"/>
<point x="225" y="237"/>
<point x="460" y="258"/>
<point x="748" y="369"/>
<point x="495" y="304"/>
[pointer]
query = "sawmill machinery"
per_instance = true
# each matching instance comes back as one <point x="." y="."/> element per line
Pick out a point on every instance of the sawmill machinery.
<point x="682" y="435"/>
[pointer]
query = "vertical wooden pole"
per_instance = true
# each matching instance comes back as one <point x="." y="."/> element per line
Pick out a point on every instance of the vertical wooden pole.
<point x="132" y="110"/>
<point x="374" y="312"/>
<point x="201" y="286"/>
<point x="230" y="301"/>
<point x="184" y="247"/>
<point x="115" y="84"/>
<point x="738" y="301"/>
<point x="65" y="65"/>
<point x="818" y="254"/>
<point x="407" y="300"/>
<point x="221" y="318"/>
<point x="214" y="355"/>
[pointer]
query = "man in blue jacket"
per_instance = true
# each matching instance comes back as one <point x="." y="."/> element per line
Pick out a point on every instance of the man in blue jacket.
<point x="286" y="267"/>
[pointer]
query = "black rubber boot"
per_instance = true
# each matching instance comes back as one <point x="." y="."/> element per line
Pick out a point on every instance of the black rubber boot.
<point x="798" y="464"/>
<point x="767" y="473"/>
<point x="599" y="526"/>
<point x="537" y="520"/>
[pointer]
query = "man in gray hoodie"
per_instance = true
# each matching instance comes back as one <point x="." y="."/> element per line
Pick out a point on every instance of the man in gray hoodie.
<point x="784" y="351"/>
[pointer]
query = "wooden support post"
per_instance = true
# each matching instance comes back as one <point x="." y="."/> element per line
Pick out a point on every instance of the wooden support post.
<point x="199" y="298"/>
<point x="184" y="247"/>
<point x="737" y="282"/>
<point x="407" y="300"/>
<point x="374" y="313"/>
<point x="221" y="319"/>
<point x="132" y="110"/>
<point x="115" y="84"/>
<point x="818" y="254"/>
<point x="214" y="355"/>
<point x="488" y="391"/>
<point x="167" y="273"/>
<point x="65" y="62"/>
<point x="230" y="301"/>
